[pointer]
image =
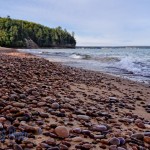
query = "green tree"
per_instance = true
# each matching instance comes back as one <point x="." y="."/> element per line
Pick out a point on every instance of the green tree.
<point x="13" y="33"/>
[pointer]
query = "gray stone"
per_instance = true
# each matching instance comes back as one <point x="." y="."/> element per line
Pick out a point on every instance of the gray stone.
<point x="114" y="141"/>
<point x="138" y="136"/>
<point x="83" y="117"/>
<point x="17" y="147"/>
<point x="99" y="128"/>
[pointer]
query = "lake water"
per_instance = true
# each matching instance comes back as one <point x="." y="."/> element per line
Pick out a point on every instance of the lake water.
<point x="131" y="63"/>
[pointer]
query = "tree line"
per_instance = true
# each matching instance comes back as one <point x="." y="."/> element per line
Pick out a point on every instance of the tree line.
<point x="13" y="33"/>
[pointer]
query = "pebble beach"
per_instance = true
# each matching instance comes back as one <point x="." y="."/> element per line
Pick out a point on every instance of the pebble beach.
<point x="47" y="106"/>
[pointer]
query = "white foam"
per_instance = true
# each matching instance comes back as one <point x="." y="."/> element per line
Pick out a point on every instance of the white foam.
<point x="76" y="56"/>
<point x="128" y="63"/>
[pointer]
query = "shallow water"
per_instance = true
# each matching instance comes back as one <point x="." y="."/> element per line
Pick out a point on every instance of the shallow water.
<point x="131" y="63"/>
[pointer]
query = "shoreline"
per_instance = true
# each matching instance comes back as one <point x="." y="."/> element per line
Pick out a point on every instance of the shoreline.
<point x="92" y="107"/>
<point x="126" y="68"/>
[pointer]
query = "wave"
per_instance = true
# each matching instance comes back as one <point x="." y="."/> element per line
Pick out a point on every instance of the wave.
<point x="60" y="54"/>
<point x="80" y="56"/>
<point x="107" y="59"/>
<point x="134" y="66"/>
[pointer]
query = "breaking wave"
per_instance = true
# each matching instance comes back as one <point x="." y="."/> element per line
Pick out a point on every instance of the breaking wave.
<point x="79" y="56"/>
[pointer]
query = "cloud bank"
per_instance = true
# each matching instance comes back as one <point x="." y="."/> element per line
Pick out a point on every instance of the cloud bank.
<point x="95" y="22"/>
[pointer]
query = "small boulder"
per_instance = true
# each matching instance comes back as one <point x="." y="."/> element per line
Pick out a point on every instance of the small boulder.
<point x="147" y="139"/>
<point x="62" y="131"/>
<point x="20" y="105"/>
<point x="83" y="117"/>
<point x="1" y="126"/>
<point x="77" y="139"/>
<point x="17" y="147"/>
<point x="114" y="141"/>
<point x="41" y="103"/>
<point x="138" y="136"/>
<point x="99" y="128"/>
<point x="113" y="147"/>
<point x="55" y="105"/>
<point x="2" y="119"/>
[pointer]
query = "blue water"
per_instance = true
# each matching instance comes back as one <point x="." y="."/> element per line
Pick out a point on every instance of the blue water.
<point x="131" y="63"/>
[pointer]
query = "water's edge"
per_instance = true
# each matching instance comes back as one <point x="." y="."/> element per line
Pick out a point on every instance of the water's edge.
<point x="133" y="64"/>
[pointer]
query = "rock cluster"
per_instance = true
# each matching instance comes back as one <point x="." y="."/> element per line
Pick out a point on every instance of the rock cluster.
<point x="46" y="106"/>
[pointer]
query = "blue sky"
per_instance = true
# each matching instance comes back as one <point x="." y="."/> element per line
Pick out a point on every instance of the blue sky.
<point x="95" y="22"/>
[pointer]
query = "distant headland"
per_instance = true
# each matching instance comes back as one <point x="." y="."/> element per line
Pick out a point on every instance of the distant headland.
<point x="23" y="34"/>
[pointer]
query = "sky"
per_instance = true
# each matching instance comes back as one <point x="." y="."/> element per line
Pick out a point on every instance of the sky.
<point x="95" y="22"/>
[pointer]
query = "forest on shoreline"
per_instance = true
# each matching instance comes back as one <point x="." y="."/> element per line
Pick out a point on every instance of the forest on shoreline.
<point x="23" y="34"/>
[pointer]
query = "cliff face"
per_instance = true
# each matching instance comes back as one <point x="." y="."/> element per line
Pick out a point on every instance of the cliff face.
<point x="31" y="44"/>
<point x="23" y="34"/>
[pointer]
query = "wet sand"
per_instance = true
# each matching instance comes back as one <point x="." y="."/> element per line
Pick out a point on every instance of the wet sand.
<point x="61" y="107"/>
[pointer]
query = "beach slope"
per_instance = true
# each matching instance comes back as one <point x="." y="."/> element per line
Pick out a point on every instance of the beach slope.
<point x="57" y="107"/>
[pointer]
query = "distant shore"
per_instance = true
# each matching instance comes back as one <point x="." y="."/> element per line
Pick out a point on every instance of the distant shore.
<point x="64" y="107"/>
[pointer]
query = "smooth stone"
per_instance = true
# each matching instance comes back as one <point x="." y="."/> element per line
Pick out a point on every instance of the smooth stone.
<point x="83" y="117"/>
<point x="80" y="112"/>
<point x="53" y="148"/>
<point x="27" y="117"/>
<point x="141" y="125"/>
<point x="40" y="122"/>
<point x="77" y="130"/>
<point x="20" y="105"/>
<point x="11" y="129"/>
<point x="44" y="145"/>
<point x="60" y="115"/>
<point x="86" y="132"/>
<point x="103" y="146"/>
<point x="63" y="147"/>
<point x="22" y="96"/>
<point x="62" y="131"/>
<point x="37" y="130"/>
<point x="99" y="136"/>
<point x="1" y="126"/>
<point x="147" y="126"/>
<point x="53" y="135"/>
<point x="2" y="119"/>
<point x="147" y="139"/>
<point x="67" y="105"/>
<point x="114" y="141"/>
<point x="55" y="105"/>
<point x="27" y="141"/>
<point x="126" y="120"/>
<point x="30" y="145"/>
<point x="77" y="139"/>
<point x="138" y="121"/>
<point x="67" y="143"/>
<point x="17" y="147"/>
<point x="122" y="140"/>
<point x="137" y="136"/>
<point x="44" y="115"/>
<point x="113" y="99"/>
<point x="104" y="141"/>
<point x="35" y="93"/>
<point x="134" y="148"/>
<point x="87" y="146"/>
<point x="31" y="129"/>
<point x="113" y="147"/>
<point x="99" y="128"/>
<point x="121" y="148"/>
<point x="13" y="97"/>
<point x="51" y="142"/>
<point x="146" y="133"/>
<point x="41" y="103"/>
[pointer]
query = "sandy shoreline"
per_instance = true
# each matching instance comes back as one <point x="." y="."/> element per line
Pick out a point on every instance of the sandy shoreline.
<point x="38" y="96"/>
